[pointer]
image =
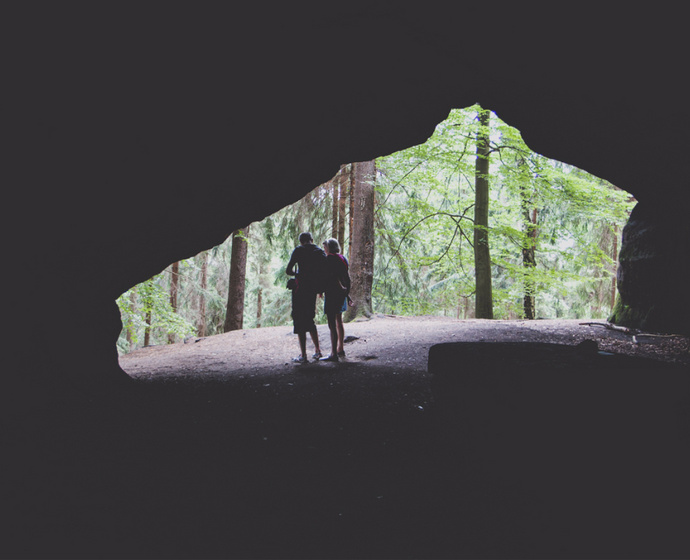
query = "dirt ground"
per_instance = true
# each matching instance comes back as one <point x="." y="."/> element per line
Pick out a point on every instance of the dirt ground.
<point x="390" y="342"/>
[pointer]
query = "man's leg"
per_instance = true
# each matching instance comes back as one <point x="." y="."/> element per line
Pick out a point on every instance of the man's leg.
<point x="315" y="339"/>
<point x="302" y="337"/>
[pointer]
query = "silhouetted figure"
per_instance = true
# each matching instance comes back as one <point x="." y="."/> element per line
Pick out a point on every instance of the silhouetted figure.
<point x="337" y="288"/>
<point x="310" y="261"/>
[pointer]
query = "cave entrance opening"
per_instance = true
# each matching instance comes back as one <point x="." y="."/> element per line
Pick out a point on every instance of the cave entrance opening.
<point x="554" y="235"/>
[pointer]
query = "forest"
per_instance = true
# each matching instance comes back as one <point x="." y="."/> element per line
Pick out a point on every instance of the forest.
<point x="469" y="224"/>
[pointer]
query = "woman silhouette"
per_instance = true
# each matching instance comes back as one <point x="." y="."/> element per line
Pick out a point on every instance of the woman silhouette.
<point x="337" y="296"/>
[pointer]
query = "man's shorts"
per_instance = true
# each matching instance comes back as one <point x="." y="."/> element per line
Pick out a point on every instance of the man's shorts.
<point x="303" y="310"/>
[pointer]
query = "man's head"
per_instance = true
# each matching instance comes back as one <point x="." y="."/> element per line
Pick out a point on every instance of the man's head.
<point x="305" y="238"/>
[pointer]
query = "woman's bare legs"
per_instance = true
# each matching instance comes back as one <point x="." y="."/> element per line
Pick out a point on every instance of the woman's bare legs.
<point x="340" y="334"/>
<point x="333" y="328"/>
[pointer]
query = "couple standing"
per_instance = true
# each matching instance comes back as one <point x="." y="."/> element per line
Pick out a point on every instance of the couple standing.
<point x="319" y="271"/>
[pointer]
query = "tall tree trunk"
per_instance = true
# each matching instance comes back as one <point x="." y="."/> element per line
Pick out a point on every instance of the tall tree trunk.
<point x="174" y="289"/>
<point x="201" y="325"/>
<point x="529" y="217"/>
<point x="259" y="304"/>
<point x="334" y="213"/>
<point x="132" y="310"/>
<point x="529" y="262"/>
<point x="234" y="314"/>
<point x="351" y="191"/>
<point x="342" y="205"/>
<point x="482" y="258"/>
<point x="259" y="293"/>
<point x="147" y="328"/>
<point x="614" y="256"/>
<point x="362" y="247"/>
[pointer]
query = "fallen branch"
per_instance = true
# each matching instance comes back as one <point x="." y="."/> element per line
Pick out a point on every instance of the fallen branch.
<point x="609" y="326"/>
<point x="632" y="332"/>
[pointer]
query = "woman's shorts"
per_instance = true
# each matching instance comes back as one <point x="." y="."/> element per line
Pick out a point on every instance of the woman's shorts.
<point x="333" y="304"/>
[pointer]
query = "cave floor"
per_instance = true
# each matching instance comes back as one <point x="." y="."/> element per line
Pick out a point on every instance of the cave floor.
<point x="215" y="455"/>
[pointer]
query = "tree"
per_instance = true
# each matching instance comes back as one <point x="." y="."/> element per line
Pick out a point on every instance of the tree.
<point x="482" y="257"/>
<point x="362" y="249"/>
<point x="174" y="287"/>
<point x="343" y="180"/>
<point x="128" y="325"/>
<point x="201" y="323"/>
<point x="544" y="207"/>
<point x="529" y="260"/>
<point x="234" y="316"/>
<point x="334" y="186"/>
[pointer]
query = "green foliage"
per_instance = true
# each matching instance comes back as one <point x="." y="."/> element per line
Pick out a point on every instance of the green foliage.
<point x="425" y="220"/>
<point x="150" y="299"/>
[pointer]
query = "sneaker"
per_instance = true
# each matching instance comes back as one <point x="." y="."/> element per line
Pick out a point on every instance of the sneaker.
<point x="330" y="358"/>
<point x="317" y="356"/>
<point x="300" y="360"/>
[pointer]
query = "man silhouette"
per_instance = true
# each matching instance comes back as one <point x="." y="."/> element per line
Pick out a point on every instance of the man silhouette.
<point x="310" y="261"/>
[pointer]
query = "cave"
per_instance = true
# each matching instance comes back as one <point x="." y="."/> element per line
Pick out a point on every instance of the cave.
<point x="119" y="119"/>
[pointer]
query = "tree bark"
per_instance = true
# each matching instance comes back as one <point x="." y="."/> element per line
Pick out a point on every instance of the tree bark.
<point x="201" y="325"/>
<point x="174" y="289"/>
<point x="334" y="213"/>
<point x="529" y="261"/>
<point x="132" y="310"/>
<point x="147" y="329"/>
<point x="362" y="245"/>
<point x="259" y="304"/>
<point x="234" y="315"/>
<point x="614" y="256"/>
<point x="351" y="190"/>
<point x="342" y="205"/>
<point x="529" y="216"/>
<point x="482" y="257"/>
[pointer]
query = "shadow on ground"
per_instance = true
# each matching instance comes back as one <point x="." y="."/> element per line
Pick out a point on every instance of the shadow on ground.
<point x="520" y="453"/>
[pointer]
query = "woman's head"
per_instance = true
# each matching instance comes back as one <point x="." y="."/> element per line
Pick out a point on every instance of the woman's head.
<point x="331" y="245"/>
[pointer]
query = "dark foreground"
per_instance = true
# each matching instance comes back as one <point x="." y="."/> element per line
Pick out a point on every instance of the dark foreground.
<point x="519" y="454"/>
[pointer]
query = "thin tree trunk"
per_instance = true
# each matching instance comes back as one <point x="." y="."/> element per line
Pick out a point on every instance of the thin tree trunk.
<point x="259" y="304"/>
<point x="529" y="262"/>
<point x="482" y="257"/>
<point x="201" y="325"/>
<point x="259" y="293"/>
<point x="362" y="247"/>
<point x="132" y="310"/>
<point x="334" y="214"/>
<point x="238" y="270"/>
<point x="174" y="289"/>
<point x="342" y="205"/>
<point x="147" y="329"/>
<point x="615" y="260"/>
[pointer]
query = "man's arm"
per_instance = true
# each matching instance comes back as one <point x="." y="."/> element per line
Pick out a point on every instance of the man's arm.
<point x="290" y="269"/>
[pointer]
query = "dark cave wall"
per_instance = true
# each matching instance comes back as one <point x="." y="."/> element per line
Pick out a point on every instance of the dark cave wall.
<point x="653" y="270"/>
<point x="141" y="137"/>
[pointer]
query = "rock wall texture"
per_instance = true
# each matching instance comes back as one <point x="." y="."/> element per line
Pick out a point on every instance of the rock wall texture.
<point x="653" y="270"/>
<point x="117" y="120"/>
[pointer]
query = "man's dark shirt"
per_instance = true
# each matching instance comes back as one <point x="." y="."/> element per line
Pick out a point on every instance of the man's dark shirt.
<point x="310" y="261"/>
